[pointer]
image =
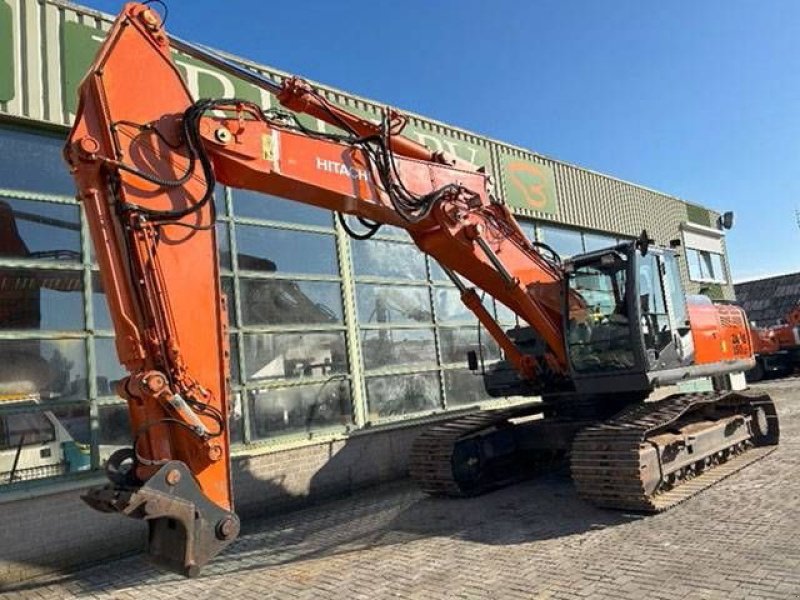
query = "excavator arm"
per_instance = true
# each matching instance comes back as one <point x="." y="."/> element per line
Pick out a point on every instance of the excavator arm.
<point x="146" y="158"/>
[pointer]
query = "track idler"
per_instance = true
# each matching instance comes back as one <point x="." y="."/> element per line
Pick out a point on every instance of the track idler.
<point x="186" y="529"/>
<point x="658" y="454"/>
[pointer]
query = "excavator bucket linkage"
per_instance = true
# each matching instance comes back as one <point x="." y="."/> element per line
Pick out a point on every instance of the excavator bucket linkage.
<point x="186" y="529"/>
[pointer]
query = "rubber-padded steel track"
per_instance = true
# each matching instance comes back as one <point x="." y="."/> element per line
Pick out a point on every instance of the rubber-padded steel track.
<point x="606" y="458"/>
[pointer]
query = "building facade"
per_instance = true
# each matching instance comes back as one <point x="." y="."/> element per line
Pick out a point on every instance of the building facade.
<point x="342" y="349"/>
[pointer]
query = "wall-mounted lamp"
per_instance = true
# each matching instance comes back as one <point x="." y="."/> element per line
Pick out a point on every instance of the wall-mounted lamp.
<point x="726" y="220"/>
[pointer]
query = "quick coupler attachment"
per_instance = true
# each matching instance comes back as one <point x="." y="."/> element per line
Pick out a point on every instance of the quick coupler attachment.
<point x="186" y="529"/>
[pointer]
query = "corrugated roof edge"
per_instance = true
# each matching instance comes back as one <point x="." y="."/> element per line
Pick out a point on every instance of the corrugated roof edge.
<point x="766" y="278"/>
<point x="254" y="65"/>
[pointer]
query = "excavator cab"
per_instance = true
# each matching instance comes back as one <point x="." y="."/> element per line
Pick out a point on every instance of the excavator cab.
<point x="633" y="320"/>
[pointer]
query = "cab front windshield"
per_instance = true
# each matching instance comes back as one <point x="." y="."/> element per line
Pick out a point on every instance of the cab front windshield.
<point x="598" y="334"/>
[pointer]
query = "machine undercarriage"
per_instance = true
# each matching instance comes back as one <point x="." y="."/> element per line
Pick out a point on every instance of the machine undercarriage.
<point x="648" y="457"/>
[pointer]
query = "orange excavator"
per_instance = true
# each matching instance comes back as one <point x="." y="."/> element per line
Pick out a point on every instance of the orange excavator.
<point x="776" y="348"/>
<point x="596" y="333"/>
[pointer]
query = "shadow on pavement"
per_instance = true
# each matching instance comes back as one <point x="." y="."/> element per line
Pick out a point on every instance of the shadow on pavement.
<point x="392" y="515"/>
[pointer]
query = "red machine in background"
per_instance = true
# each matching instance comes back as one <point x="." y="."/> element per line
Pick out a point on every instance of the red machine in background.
<point x="596" y="333"/>
<point x="776" y="348"/>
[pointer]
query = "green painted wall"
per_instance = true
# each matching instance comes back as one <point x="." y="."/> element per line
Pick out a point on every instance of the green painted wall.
<point x="6" y="53"/>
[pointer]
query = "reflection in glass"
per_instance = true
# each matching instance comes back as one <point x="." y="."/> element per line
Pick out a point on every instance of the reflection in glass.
<point x="236" y="419"/>
<point x="449" y="306"/>
<point x="397" y="347"/>
<point x="393" y="304"/>
<point x="283" y="301"/>
<point x="39" y="230"/>
<point x="33" y="162"/>
<point x="294" y="355"/>
<point x="42" y="442"/>
<point x="223" y="245"/>
<point x="373" y="258"/>
<point x="219" y="202"/>
<point x="437" y="273"/>
<point x="253" y="205"/>
<point x="717" y="267"/>
<point x="566" y="242"/>
<point x="504" y="314"/>
<point x="596" y="241"/>
<point x="462" y="386"/>
<point x="300" y="409"/>
<point x="278" y="250"/>
<point x="227" y="288"/>
<point x="385" y="230"/>
<point x="402" y="394"/>
<point x="115" y="429"/>
<point x="35" y="299"/>
<point x="109" y="371"/>
<point x="102" y="316"/>
<point x="456" y="342"/>
<point x="43" y="369"/>
<point x="236" y="374"/>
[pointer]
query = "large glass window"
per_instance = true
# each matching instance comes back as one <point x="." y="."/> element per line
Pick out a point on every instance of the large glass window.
<point x="566" y="242"/>
<point x="294" y="355"/>
<point x="41" y="299"/>
<point x="285" y="301"/>
<point x="253" y="205"/>
<point x="300" y="409"/>
<point x="397" y="347"/>
<point x="463" y="386"/>
<point x="33" y="162"/>
<point x="223" y="245"/>
<point x="597" y="241"/>
<point x="393" y="260"/>
<point x="398" y="395"/>
<point x="115" y="429"/>
<point x="33" y="230"/>
<point x="284" y="251"/>
<point x="37" y="441"/>
<point x="102" y="316"/>
<point x="450" y="307"/>
<point x="50" y="369"/>
<point x="108" y="370"/>
<point x="457" y="342"/>
<point x="393" y="304"/>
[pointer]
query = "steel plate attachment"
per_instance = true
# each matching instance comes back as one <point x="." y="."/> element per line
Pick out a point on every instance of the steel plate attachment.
<point x="186" y="529"/>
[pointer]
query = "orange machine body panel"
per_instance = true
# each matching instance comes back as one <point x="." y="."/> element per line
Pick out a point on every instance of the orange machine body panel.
<point x="161" y="283"/>
<point x="764" y="341"/>
<point x="720" y="331"/>
<point x="787" y="336"/>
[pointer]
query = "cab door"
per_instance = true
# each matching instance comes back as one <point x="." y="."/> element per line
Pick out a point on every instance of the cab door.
<point x="677" y="308"/>
<point x="656" y="321"/>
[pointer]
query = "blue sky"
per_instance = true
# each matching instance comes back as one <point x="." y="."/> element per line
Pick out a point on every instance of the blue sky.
<point x="700" y="100"/>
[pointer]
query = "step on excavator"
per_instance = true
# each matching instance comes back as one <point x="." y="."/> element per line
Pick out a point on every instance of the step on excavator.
<point x="596" y="334"/>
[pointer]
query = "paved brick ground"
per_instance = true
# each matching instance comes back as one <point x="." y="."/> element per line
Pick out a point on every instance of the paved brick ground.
<point x="536" y="540"/>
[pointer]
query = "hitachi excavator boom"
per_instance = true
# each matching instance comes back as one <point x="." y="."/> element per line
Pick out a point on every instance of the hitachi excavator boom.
<point x="596" y="333"/>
